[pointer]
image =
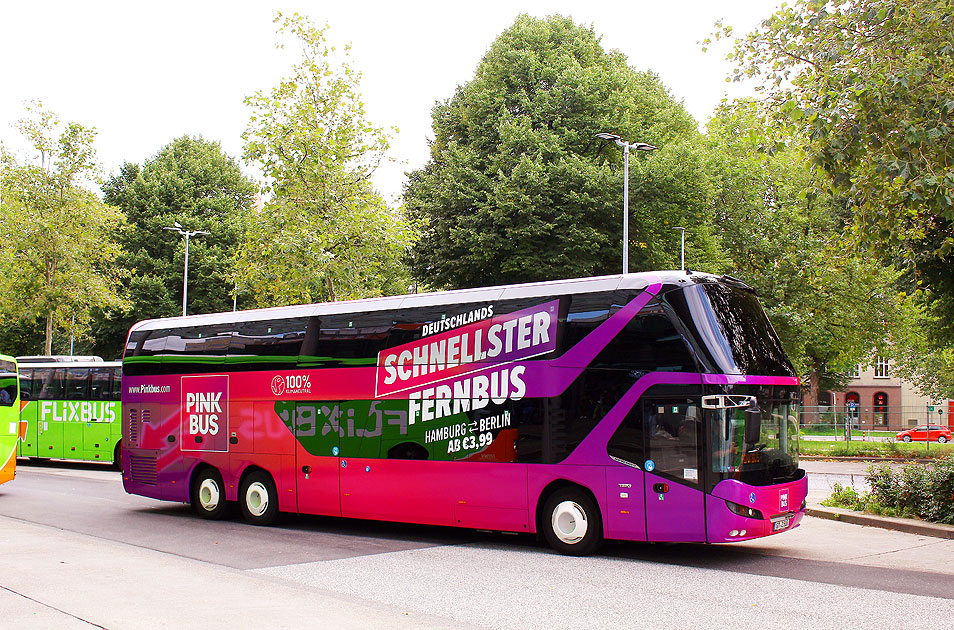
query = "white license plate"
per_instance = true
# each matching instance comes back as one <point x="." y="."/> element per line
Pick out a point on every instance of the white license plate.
<point x="780" y="525"/>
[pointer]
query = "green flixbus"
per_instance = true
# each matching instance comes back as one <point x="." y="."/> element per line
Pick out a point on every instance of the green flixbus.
<point x="71" y="409"/>
<point x="9" y="417"/>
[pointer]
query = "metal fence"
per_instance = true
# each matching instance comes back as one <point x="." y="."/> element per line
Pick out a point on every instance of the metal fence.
<point x="871" y="418"/>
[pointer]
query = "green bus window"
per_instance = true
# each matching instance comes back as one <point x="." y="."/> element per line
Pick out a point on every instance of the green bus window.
<point x="26" y="384"/>
<point x="100" y="384"/>
<point x="77" y="384"/>
<point x="49" y="383"/>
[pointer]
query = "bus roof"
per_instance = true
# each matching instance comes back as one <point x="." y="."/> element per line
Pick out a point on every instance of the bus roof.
<point x="71" y="364"/>
<point x="59" y="358"/>
<point x="417" y="300"/>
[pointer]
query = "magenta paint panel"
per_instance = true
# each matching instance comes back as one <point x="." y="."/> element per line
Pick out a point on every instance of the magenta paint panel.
<point x="625" y="507"/>
<point x="205" y="413"/>
<point x="399" y="490"/>
<point x="435" y="493"/>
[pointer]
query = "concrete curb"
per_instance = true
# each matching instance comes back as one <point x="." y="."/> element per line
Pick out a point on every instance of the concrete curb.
<point x="867" y="460"/>
<point x="906" y="525"/>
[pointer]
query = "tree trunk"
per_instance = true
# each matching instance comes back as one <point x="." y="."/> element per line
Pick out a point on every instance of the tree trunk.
<point x="48" y="344"/>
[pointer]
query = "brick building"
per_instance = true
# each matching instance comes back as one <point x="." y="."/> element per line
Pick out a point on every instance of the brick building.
<point x="877" y="399"/>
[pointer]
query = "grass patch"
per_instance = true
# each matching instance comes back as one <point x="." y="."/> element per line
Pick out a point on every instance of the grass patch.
<point x="857" y="448"/>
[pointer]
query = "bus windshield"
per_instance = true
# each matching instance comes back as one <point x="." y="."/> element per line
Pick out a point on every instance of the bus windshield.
<point x="773" y="456"/>
<point x="731" y="330"/>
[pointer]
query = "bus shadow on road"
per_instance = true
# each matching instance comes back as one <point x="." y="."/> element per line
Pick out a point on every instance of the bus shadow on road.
<point x="50" y="464"/>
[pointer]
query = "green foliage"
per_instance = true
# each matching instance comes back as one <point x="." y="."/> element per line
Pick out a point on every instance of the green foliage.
<point x="844" y="497"/>
<point x="830" y="300"/>
<point x="190" y="181"/>
<point x="58" y="255"/>
<point x="518" y="188"/>
<point x="869" y="84"/>
<point x="324" y="233"/>
<point x="924" y="491"/>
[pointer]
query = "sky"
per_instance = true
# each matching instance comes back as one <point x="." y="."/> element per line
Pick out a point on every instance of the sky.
<point x="145" y="73"/>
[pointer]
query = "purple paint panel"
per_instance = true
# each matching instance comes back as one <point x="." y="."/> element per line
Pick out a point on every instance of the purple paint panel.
<point x="674" y="512"/>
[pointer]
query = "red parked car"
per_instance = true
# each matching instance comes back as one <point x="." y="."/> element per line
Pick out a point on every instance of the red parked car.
<point x="926" y="432"/>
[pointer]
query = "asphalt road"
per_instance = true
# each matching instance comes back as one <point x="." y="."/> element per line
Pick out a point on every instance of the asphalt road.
<point x="81" y="553"/>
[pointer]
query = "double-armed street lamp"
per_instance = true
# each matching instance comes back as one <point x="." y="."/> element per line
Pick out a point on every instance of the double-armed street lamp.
<point x="626" y="146"/>
<point x="185" y="279"/>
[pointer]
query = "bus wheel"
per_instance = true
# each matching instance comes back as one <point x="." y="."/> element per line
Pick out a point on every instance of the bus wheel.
<point x="259" y="499"/>
<point x="208" y="495"/>
<point x="118" y="457"/>
<point x="572" y="523"/>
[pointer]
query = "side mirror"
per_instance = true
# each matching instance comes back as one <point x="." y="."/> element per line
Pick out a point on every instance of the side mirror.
<point x="753" y="425"/>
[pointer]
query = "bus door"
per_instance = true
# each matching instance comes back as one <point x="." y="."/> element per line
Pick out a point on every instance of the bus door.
<point x="317" y="443"/>
<point x="673" y="482"/>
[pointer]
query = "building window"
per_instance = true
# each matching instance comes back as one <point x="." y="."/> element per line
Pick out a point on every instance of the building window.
<point x="855" y="372"/>
<point x="881" y="408"/>
<point x="881" y="368"/>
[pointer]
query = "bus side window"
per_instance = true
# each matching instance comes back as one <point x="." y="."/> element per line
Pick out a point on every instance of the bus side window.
<point x="26" y="384"/>
<point x="141" y="349"/>
<point x="269" y="344"/>
<point x="99" y="384"/>
<point x="408" y="324"/>
<point x="77" y="384"/>
<point x="648" y="343"/>
<point x="354" y="339"/>
<point x="49" y="383"/>
<point x="196" y="349"/>
<point x="626" y="445"/>
<point x="116" y="380"/>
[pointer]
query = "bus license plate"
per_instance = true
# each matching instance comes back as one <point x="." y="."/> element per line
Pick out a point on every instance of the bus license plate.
<point x="780" y="525"/>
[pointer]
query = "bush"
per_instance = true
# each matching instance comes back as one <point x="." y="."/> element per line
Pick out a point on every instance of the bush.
<point x="841" y="496"/>
<point x="923" y="491"/>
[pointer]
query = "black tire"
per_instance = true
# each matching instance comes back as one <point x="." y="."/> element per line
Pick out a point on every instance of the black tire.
<point x="258" y="499"/>
<point x="118" y="457"/>
<point x="571" y="522"/>
<point x="906" y="438"/>
<point x="941" y="439"/>
<point x="208" y="495"/>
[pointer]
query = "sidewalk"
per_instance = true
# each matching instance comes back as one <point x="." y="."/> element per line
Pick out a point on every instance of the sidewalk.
<point x="907" y="525"/>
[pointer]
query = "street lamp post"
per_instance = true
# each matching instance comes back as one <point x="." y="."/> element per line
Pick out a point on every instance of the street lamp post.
<point x="639" y="146"/>
<point x="185" y="278"/>
<point x="683" y="248"/>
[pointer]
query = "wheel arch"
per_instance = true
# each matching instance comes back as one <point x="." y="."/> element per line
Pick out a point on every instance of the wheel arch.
<point x="555" y="486"/>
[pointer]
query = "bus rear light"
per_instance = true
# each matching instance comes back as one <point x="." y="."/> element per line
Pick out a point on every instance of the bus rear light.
<point x="743" y="510"/>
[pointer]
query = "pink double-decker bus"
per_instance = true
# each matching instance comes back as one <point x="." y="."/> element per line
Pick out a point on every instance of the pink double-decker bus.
<point x="650" y="407"/>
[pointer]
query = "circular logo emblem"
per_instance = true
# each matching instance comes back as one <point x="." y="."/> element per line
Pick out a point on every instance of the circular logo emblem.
<point x="334" y="451"/>
<point x="752" y="498"/>
<point x="278" y="385"/>
<point x="650" y="465"/>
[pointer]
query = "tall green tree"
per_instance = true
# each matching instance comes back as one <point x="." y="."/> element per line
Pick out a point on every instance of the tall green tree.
<point x="870" y="84"/>
<point x="58" y="253"/>
<point x="517" y="186"/>
<point x="831" y="301"/>
<point x="324" y="233"/>
<point x="193" y="182"/>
